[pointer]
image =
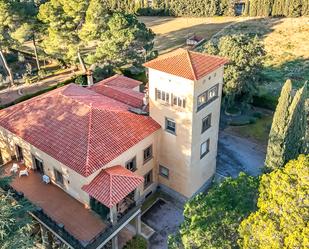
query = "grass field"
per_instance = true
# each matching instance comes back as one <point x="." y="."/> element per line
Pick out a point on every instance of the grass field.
<point x="287" y="47"/>
<point x="172" y="32"/>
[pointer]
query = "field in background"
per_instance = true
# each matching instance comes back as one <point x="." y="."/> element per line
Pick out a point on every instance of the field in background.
<point x="287" y="47"/>
<point x="172" y="32"/>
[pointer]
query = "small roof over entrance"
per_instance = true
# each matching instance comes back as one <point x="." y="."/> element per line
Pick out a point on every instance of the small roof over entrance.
<point x="111" y="185"/>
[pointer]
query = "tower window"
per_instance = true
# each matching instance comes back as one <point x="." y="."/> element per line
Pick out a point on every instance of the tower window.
<point x="163" y="96"/>
<point x="163" y="171"/>
<point x="206" y="123"/>
<point x="207" y="97"/>
<point x="181" y="102"/>
<point x="204" y="148"/>
<point x="170" y="125"/>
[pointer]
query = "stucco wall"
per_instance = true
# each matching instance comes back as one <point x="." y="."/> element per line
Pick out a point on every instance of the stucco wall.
<point x="180" y="153"/>
<point x="175" y="150"/>
<point x="72" y="180"/>
<point x="203" y="169"/>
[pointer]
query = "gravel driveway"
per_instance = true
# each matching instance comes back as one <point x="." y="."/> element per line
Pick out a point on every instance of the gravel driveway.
<point x="236" y="154"/>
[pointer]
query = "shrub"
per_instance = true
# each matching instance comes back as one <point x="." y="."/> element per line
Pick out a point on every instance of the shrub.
<point x="137" y="242"/>
<point x="81" y="80"/>
<point x="265" y="101"/>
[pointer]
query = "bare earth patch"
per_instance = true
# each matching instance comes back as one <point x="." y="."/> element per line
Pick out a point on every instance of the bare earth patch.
<point x="172" y="32"/>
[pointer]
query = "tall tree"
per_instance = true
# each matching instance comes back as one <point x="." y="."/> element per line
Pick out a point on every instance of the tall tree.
<point x="31" y="27"/>
<point x="64" y="19"/>
<point x="288" y="131"/>
<point x="8" y="25"/>
<point x="15" y="223"/>
<point x="275" y="147"/>
<point x="281" y="220"/>
<point x="126" y="41"/>
<point x="211" y="220"/>
<point x="296" y="133"/>
<point x="241" y="75"/>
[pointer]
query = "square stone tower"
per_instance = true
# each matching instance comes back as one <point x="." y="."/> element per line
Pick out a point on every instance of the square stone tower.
<point x="185" y="90"/>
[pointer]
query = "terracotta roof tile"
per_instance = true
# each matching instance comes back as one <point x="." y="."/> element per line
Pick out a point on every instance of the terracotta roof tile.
<point x="120" y="81"/>
<point x="80" y="128"/>
<point x="111" y="185"/>
<point x="124" y="95"/>
<point x="186" y="64"/>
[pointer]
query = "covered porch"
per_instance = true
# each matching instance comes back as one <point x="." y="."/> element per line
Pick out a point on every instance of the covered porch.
<point x="64" y="215"/>
<point x="113" y="194"/>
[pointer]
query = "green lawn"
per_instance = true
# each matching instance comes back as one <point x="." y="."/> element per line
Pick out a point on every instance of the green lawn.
<point x="258" y="131"/>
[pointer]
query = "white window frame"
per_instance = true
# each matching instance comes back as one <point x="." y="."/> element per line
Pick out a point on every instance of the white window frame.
<point x="204" y="152"/>
<point x="167" y="175"/>
<point x="167" y="121"/>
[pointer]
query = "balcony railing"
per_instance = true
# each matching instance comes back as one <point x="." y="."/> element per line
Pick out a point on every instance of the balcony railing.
<point x="60" y="230"/>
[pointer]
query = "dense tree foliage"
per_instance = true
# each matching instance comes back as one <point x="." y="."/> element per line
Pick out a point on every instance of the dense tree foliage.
<point x="211" y="7"/>
<point x="241" y="75"/>
<point x="125" y="41"/>
<point x="15" y="223"/>
<point x="281" y="220"/>
<point x="212" y="219"/>
<point x="119" y="39"/>
<point x="288" y="131"/>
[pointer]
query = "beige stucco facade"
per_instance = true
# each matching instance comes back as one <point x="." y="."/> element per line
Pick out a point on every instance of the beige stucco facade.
<point x="180" y="152"/>
<point x="73" y="181"/>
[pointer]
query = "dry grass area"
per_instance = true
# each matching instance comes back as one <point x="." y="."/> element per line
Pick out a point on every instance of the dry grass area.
<point x="287" y="47"/>
<point x="172" y="32"/>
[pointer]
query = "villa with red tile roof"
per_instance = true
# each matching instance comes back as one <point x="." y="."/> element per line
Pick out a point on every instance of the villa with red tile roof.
<point x="109" y="146"/>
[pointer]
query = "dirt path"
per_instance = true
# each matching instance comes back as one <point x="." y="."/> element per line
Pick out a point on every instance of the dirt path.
<point x="10" y="94"/>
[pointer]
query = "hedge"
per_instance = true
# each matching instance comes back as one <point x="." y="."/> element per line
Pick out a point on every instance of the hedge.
<point x="265" y="101"/>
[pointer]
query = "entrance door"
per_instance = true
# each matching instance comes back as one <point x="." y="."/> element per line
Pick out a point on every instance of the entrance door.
<point x="19" y="153"/>
<point x="38" y="163"/>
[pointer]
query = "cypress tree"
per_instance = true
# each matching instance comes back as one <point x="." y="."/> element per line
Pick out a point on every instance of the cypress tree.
<point x="247" y="7"/>
<point x="295" y="8"/>
<point x="305" y="8"/>
<point x="275" y="147"/>
<point x="296" y="133"/>
<point x="253" y="8"/>
<point x="278" y="7"/>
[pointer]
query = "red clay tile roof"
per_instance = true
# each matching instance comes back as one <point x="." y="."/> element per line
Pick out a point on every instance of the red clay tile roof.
<point x="80" y="128"/>
<point x="186" y="64"/>
<point x="111" y="185"/>
<point x="120" y="81"/>
<point x="124" y="95"/>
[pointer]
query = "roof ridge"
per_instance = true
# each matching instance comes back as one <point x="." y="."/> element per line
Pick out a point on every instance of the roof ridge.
<point x="88" y="140"/>
<point x="191" y="65"/>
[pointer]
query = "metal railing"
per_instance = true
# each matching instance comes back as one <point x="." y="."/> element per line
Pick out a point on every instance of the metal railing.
<point x="39" y="214"/>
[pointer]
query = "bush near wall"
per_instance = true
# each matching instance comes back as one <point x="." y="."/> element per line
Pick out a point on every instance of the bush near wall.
<point x="137" y="242"/>
<point x="45" y="90"/>
<point x="265" y="101"/>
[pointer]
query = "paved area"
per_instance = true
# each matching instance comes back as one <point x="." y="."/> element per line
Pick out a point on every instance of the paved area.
<point x="164" y="217"/>
<point x="82" y="223"/>
<point x="236" y="154"/>
<point x="10" y="94"/>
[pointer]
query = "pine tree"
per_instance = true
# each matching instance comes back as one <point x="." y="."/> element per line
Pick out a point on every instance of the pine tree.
<point x="281" y="220"/>
<point x="275" y="148"/>
<point x="295" y="140"/>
